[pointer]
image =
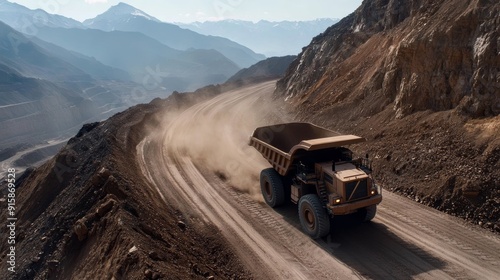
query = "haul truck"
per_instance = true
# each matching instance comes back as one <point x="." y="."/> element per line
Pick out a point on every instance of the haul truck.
<point x="313" y="168"/>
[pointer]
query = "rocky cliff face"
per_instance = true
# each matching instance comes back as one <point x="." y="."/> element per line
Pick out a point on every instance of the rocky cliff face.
<point x="412" y="55"/>
<point x="421" y="81"/>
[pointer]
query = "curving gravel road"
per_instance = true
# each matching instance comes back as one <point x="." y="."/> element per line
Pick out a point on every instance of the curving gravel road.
<point x="199" y="162"/>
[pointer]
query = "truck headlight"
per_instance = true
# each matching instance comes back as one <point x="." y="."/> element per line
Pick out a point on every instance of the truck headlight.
<point x="373" y="191"/>
<point x="334" y="199"/>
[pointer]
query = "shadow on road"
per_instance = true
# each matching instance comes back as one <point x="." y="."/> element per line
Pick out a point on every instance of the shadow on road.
<point x="371" y="248"/>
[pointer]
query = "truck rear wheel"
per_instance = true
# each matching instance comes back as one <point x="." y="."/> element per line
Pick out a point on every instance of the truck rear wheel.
<point x="313" y="217"/>
<point x="271" y="185"/>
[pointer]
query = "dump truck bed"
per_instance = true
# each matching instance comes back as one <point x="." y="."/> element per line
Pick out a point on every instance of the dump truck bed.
<point x="283" y="144"/>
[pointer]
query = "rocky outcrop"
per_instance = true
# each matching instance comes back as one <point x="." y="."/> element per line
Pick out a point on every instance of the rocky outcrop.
<point x="412" y="55"/>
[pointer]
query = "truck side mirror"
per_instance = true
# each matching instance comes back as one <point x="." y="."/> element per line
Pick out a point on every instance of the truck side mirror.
<point x="333" y="166"/>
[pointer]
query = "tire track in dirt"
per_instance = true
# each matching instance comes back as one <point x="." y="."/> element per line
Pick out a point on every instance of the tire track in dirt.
<point x="446" y="237"/>
<point x="263" y="251"/>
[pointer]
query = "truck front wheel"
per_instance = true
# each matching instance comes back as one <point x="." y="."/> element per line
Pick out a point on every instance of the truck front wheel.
<point x="313" y="217"/>
<point x="370" y="213"/>
<point x="271" y="186"/>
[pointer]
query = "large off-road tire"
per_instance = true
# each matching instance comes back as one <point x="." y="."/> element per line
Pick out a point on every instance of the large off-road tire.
<point x="271" y="185"/>
<point x="313" y="217"/>
<point x="370" y="213"/>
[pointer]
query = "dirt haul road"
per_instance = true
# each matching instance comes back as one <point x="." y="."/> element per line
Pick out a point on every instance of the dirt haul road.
<point x="199" y="162"/>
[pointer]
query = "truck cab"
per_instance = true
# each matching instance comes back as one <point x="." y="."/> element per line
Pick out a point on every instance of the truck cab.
<point x="349" y="187"/>
<point x="344" y="186"/>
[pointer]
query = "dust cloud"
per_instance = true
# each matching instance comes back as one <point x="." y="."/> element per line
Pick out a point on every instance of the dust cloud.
<point x="215" y="135"/>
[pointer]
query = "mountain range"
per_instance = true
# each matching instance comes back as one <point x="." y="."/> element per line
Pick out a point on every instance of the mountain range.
<point x="179" y="70"/>
<point x="57" y="73"/>
<point x="27" y="21"/>
<point x="187" y="59"/>
<point x="266" y="37"/>
<point x="124" y="17"/>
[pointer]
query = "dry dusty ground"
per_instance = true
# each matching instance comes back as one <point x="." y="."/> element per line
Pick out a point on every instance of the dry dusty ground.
<point x="170" y="191"/>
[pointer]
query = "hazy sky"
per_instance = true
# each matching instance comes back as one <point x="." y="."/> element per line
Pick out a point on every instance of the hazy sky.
<point x="202" y="10"/>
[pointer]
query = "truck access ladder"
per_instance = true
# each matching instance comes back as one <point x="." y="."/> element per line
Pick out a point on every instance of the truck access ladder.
<point x="321" y="188"/>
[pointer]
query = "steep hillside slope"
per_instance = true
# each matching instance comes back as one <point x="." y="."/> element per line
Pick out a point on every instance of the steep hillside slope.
<point x="88" y="64"/>
<point x="33" y="61"/>
<point x="86" y="214"/>
<point x="270" y="68"/>
<point x="421" y="80"/>
<point x="33" y="110"/>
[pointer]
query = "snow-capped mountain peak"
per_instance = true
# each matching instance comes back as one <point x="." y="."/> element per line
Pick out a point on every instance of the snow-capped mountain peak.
<point x="120" y="12"/>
